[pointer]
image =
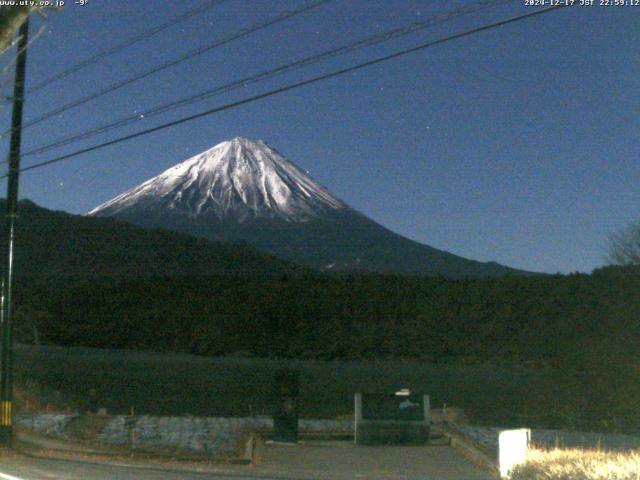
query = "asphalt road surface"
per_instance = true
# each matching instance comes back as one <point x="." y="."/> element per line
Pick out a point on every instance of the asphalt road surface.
<point x="321" y="460"/>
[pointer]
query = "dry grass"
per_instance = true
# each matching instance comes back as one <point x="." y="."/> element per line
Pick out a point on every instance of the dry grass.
<point x="578" y="465"/>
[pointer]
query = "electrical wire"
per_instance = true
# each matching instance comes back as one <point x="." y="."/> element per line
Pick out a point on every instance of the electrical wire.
<point x="126" y="44"/>
<point x="290" y="87"/>
<point x="163" y="66"/>
<point x="280" y="70"/>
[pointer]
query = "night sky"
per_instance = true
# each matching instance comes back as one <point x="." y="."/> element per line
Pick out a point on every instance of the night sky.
<point x="520" y="144"/>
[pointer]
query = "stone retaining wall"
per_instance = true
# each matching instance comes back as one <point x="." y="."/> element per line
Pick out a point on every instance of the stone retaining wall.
<point x="189" y="434"/>
<point x="49" y="424"/>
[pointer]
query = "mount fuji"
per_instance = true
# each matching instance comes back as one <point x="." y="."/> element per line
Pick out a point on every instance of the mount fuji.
<point x="244" y="189"/>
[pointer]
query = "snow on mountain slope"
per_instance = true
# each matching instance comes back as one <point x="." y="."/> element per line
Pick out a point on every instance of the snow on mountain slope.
<point x="237" y="179"/>
<point x="243" y="190"/>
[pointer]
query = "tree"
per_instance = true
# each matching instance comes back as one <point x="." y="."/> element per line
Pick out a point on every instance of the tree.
<point x="12" y="17"/>
<point x="10" y="20"/>
<point x="624" y="246"/>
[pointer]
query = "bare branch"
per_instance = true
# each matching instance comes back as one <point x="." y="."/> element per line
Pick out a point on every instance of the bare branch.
<point x="624" y="246"/>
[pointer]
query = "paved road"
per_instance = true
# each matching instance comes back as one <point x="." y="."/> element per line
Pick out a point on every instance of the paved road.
<point x="312" y="461"/>
<point x="28" y="468"/>
<point x="343" y="460"/>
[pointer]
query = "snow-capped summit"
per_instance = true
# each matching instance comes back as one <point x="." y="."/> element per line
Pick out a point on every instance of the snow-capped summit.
<point x="238" y="178"/>
<point x="244" y="190"/>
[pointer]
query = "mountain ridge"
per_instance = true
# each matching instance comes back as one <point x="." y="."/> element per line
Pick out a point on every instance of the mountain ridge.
<point x="244" y="189"/>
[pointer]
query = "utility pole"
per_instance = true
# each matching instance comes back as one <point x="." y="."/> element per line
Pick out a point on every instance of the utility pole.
<point x="6" y="312"/>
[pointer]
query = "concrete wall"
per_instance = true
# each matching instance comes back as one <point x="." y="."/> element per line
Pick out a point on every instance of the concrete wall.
<point x="188" y="434"/>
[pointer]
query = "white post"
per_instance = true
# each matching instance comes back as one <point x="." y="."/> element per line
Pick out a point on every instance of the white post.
<point x="513" y="446"/>
<point x="427" y="408"/>
<point x="357" y="415"/>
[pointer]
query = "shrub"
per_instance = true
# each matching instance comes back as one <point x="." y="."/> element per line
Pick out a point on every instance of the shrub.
<point x="578" y="465"/>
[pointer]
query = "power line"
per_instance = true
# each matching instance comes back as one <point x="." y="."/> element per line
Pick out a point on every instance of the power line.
<point x="293" y="86"/>
<point x="126" y="44"/>
<point x="163" y="66"/>
<point x="282" y="69"/>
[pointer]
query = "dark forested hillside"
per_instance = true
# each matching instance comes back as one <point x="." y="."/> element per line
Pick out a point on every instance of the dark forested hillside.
<point x="541" y="319"/>
<point x="583" y="328"/>
<point x="57" y="246"/>
<point x="97" y="282"/>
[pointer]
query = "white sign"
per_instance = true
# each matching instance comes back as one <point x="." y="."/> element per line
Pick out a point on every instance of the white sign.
<point x="512" y="449"/>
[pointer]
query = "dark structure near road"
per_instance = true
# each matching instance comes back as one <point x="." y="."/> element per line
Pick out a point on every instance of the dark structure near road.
<point x="392" y="419"/>
<point x="285" y="415"/>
